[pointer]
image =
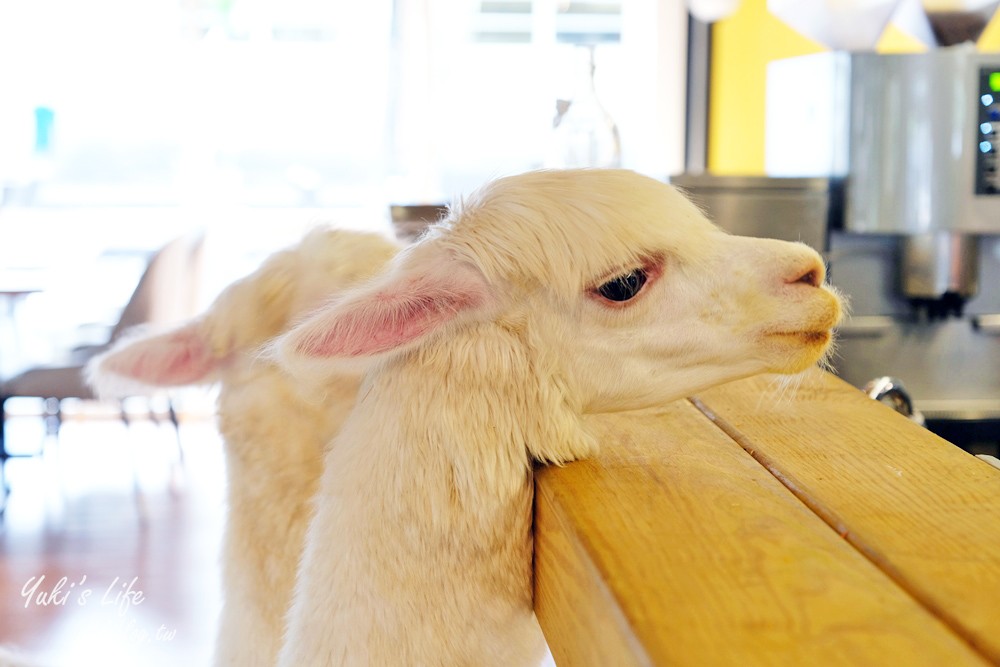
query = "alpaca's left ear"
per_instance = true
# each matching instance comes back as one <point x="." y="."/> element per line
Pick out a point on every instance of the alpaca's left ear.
<point x="175" y="358"/>
<point x="395" y="313"/>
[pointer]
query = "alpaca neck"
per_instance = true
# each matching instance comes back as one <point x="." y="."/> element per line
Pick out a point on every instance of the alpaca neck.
<point x="459" y="404"/>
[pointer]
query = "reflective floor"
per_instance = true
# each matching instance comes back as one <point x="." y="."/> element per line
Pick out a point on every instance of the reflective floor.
<point x="109" y="543"/>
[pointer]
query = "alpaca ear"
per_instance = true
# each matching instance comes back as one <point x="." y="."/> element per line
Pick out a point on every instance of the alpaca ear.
<point x="176" y="358"/>
<point x="388" y="316"/>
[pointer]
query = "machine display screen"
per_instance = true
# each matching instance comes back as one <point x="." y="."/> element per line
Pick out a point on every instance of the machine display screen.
<point x="988" y="137"/>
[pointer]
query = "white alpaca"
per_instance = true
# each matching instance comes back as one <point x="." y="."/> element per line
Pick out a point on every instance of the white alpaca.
<point x="544" y="298"/>
<point x="274" y="435"/>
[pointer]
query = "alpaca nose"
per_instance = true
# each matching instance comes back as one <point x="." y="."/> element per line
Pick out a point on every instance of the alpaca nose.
<point x="811" y="272"/>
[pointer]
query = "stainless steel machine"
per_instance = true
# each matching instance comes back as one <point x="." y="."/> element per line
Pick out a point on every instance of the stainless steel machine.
<point x="902" y="150"/>
<point x="917" y="136"/>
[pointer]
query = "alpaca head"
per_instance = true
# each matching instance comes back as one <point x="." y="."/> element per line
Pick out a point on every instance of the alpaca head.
<point x="629" y="294"/>
<point x="248" y="313"/>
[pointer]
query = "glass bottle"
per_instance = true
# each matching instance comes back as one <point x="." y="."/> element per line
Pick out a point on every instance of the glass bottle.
<point x="584" y="134"/>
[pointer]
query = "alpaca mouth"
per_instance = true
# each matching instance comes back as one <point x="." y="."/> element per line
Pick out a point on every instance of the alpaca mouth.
<point x="797" y="350"/>
<point x="821" y="337"/>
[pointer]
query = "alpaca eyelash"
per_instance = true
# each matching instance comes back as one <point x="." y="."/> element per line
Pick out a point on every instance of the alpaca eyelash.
<point x="624" y="287"/>
<point x="619" y="290"/>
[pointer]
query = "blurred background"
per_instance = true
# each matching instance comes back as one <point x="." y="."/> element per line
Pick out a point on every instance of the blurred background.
<point x="305" y="102"/>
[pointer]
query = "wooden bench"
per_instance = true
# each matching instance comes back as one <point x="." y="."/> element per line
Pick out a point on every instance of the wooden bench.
<point x="755" y="525"/>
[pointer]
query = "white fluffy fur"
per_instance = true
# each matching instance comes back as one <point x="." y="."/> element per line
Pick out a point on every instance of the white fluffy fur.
<point x="274" y="435"/>
<point x="489" y="348"/>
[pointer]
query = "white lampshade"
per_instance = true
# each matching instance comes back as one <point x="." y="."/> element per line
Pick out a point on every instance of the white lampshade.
<point x="852" y="25"/>
<point x="712" y="10"/>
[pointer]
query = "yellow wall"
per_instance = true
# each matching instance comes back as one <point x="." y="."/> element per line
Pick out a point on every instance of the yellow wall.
<point x="742" y="45"/>
<point x="990" y="39"/>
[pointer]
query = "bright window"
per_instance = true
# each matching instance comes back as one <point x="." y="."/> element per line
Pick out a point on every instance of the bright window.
<point x="315" y="102"/>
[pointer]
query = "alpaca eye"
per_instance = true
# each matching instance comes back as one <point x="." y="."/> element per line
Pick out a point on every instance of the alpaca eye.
<point x="625" y="287"/>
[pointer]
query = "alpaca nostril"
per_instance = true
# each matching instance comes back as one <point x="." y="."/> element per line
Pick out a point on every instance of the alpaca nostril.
<point x="813" y="275"/>
<point x="810" y="278"/>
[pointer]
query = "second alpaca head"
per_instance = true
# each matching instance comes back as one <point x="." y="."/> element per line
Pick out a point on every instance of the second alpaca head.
<point x="292" y="282"/>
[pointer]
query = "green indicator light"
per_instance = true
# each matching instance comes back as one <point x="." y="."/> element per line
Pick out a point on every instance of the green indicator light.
<point x="995" y="82"/>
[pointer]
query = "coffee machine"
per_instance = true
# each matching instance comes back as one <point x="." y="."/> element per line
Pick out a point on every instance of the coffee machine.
<point x="915" y="140"/>
<point x="896" y="158"/>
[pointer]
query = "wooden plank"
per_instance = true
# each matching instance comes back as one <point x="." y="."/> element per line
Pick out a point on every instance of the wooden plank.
<point x="921" y="509"/>
<point x="675" y="547"/>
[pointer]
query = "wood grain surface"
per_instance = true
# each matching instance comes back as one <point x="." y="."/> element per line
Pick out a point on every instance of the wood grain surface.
<point x="921" y="509"/>
<point x="675" y="547"/>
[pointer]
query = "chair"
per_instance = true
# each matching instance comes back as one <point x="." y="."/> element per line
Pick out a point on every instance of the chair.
<point x="165" y="294"/>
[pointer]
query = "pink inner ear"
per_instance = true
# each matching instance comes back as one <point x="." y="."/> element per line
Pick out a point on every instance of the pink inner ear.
<point x="178" y="358"/>
<point x="388" y="319"/>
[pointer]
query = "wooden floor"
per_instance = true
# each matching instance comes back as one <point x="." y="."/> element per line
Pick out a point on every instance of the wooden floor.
<point x="130" y="532"/>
